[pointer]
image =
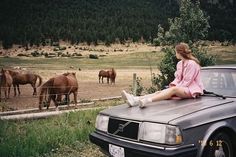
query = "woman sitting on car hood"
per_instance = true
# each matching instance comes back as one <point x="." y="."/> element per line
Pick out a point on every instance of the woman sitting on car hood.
<point x="187" y="82"/>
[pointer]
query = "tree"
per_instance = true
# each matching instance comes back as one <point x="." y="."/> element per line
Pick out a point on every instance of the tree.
<point x="190" y="27"/>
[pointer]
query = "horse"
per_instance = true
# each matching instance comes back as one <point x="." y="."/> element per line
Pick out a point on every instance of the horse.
<point x="109" y="74"/>
<point x="57" y="86"/>
<point x="24" y="78"/>
<point x="5" y="83"/>
<point x="112" y="74"/>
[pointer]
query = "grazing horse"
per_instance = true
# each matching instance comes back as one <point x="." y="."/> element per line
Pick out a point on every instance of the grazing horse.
<point x="24" y="78"/>
<point x="5" y="83"/>
<point x="55" y="87"/>
<point x="112" y="74"/>
<point x="109" y="74"/>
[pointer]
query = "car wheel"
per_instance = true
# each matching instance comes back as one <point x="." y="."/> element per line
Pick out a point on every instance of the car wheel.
<point x="219" y="146"/>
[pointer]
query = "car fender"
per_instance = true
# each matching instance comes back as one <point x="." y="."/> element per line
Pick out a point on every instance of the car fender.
<point x="210" y="131"/>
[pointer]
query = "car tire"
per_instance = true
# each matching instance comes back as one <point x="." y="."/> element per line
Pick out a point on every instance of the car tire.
<point x="219" y="145"/>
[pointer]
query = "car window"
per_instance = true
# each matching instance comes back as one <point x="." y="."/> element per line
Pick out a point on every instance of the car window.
<point x="220" y="81"/>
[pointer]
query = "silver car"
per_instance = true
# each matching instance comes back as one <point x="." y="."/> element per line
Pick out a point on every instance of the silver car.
<point x="202" y="127"/>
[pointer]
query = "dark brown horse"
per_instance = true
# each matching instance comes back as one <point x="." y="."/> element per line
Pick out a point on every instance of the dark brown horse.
<point x="24" y="78"/>
<point x="112" y="74"/>
<point x="55" y="87"/>
<point x="5" y="83"/>
<point x="109" y="74"/>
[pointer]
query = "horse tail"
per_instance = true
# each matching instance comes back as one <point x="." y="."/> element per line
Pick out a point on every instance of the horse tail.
<point x="40" y="80"/>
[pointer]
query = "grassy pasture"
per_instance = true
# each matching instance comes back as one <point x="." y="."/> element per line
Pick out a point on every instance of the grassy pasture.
<point x="64" y="135"/>
<point x="67" y="135"/>
<point x="139" y="60"/>
<point x="134" y="60"/>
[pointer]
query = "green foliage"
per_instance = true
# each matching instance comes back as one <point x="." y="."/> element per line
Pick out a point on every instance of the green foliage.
<point x="93" y="56"/>
<point x="34" y="138"/>
<point x="35" y="54"/>
<point x="191" y="26"/>
<point x="62" y="48"/>
<point x="168" y="66"/>
<point x="139" y="86"/>
<point x="160" y="37"/>
<point x="201" y="54"/>
<point x="167" y="69"/>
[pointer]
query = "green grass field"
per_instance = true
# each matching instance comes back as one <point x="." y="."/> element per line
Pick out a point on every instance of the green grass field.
<point x="67" y="135"/>
<point x="134" y="60"/>
<point x="140" y="60"/>
<point x="64" y="135"/>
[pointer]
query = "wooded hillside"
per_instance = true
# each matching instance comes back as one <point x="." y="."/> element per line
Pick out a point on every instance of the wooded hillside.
<point x="34" y="22"/>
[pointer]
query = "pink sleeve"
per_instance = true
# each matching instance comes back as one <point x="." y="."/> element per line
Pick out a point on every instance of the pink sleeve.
<point x="178" y="74"/>
<point x="191" y="72"/>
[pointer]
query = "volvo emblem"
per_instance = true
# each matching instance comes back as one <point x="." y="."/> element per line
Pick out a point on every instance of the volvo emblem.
<point x="121" y="127"/>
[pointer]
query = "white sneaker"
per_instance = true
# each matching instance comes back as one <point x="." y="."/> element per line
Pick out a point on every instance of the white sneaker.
<point x="141" y="104"/>
<point x="130" y="100"/>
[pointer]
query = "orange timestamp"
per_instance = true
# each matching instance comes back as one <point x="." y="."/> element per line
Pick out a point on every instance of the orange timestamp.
<point x="211" y="143"/>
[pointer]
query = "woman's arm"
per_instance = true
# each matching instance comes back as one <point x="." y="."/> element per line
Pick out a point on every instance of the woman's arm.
<point x="178" y="75"/>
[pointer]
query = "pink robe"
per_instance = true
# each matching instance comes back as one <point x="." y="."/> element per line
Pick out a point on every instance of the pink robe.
<point x="188" y="76"/>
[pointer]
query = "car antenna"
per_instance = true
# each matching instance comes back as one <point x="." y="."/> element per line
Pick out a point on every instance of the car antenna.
<point x="205" y="92"/>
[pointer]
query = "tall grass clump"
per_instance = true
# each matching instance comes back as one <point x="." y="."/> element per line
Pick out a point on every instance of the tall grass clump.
<point x="38" y="137"/>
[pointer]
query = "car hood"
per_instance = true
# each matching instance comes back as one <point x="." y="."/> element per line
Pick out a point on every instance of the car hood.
<point x="165" y="111"/>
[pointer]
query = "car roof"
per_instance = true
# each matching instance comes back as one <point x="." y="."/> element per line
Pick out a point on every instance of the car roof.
<point x="225" y="66"/>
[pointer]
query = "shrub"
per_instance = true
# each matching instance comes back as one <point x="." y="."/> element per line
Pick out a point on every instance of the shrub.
<point x="35" y="54"/>
<point x="93" y="56"/>
<point x="22" y="55"/>
<point x="190" y="27"/>
<point x="139" y="87"/>
<point x="168" y="66"/>
<point x="56" y="49"/>
<point x="62" y="48"/>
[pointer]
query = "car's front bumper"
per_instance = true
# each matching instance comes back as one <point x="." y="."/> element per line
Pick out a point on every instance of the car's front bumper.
<point x="135" y="149"/>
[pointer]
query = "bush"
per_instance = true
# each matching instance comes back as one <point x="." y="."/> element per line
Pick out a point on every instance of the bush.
<point x="139" y="88"/>
<point x="35" y="54"/>
<point x="168" y="66"/>
<point x="93" y="56"/>
<point x="56" y="49"/>
<point x="156" y="42"/>
<point x="62" y="48"/>
<point x="22" y="55"/>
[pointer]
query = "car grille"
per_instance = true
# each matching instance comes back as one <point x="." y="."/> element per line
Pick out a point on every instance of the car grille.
<point x="123" y="128"/>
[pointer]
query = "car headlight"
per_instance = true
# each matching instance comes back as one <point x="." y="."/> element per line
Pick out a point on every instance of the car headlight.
<point x="160" y="133"/>
<point x="102" y="122"/>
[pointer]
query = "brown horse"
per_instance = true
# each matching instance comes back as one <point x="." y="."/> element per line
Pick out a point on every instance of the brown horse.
<point x="5" y="83"/>
<point x="55" y="87"/>
<point x="24" y="78"/>
<point x="112" y="74"/>
<point x="109" y="74"/>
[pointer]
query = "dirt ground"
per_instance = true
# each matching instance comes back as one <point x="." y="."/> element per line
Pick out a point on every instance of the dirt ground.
<point x="89" y="88"/>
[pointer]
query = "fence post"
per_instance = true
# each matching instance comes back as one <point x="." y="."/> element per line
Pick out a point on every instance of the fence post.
<point x="134" y="84"/>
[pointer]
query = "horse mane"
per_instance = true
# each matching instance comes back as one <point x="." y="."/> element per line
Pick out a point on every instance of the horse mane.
<point x="13" y="73"/>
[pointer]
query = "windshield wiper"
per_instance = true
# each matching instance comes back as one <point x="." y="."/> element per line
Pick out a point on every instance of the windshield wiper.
<point x="212" y="93"/>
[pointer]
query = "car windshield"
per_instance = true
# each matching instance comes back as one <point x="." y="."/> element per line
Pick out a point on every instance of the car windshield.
<point x="220" y="81"/>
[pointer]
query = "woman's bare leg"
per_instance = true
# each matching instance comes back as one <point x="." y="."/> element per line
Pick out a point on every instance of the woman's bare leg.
<point x="165" y="94"/>
<point x="134" y="100"/>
